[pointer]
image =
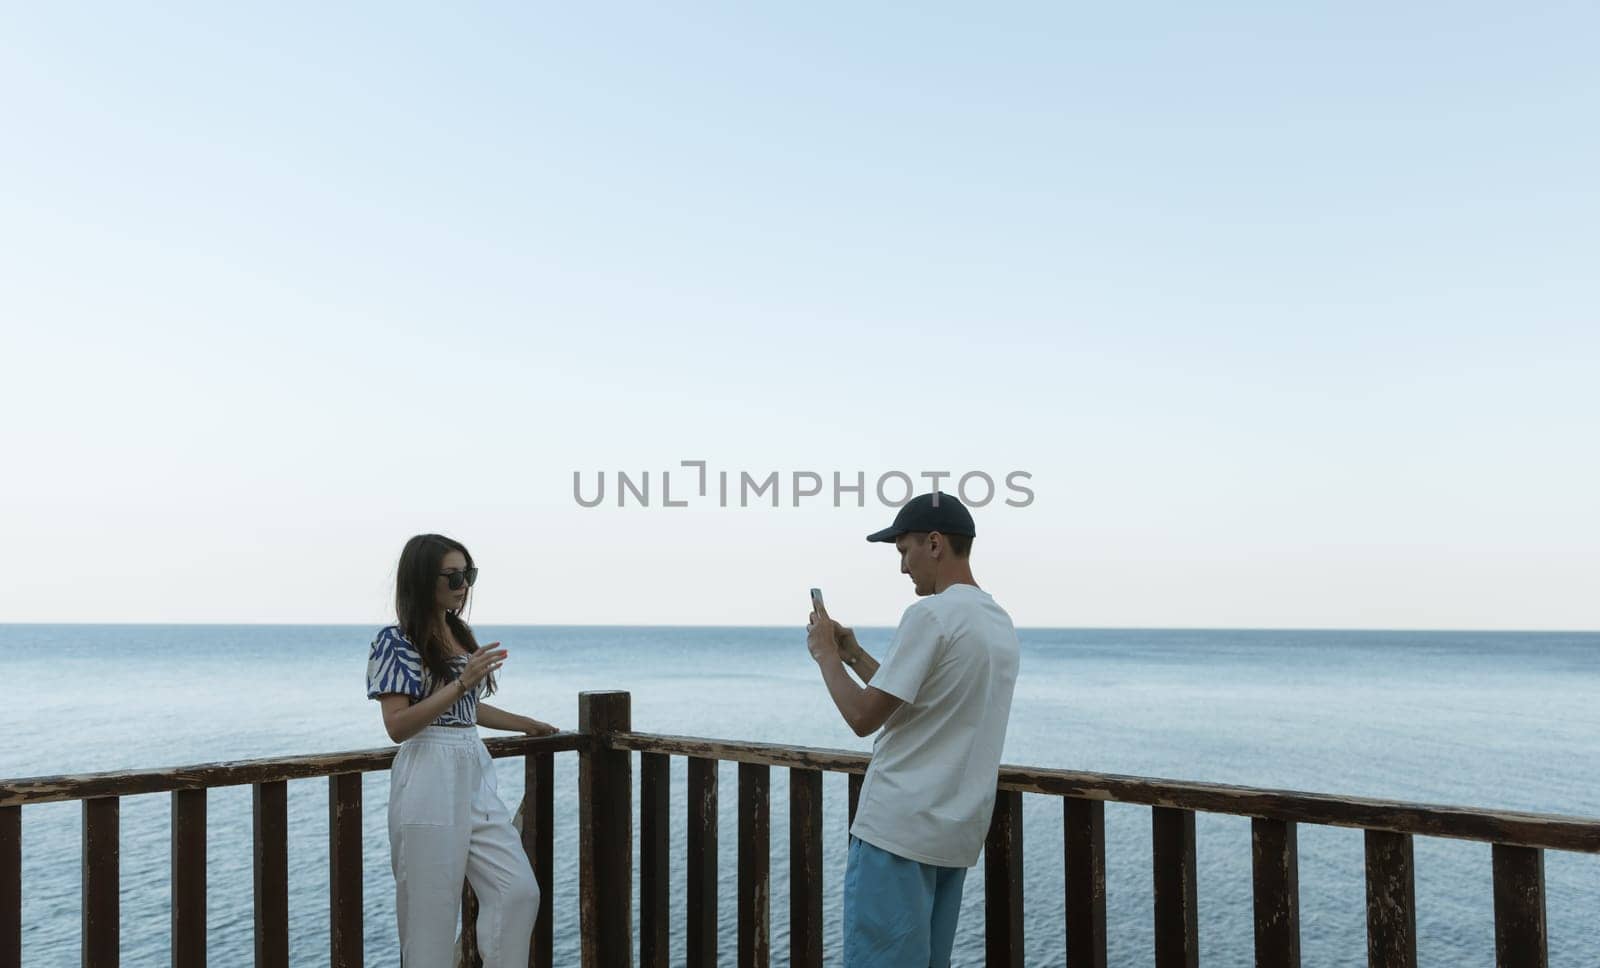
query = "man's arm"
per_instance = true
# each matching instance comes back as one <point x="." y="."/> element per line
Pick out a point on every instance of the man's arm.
<point x="853" y="655"/>
<point x="864" y="709"/>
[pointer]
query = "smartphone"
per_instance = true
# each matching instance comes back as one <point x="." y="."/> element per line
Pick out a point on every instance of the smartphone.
<point x="816" y="598"/>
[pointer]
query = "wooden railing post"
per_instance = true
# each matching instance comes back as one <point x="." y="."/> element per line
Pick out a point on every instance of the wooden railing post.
<point x="1002" y="883"/>
<point x="755" y="865"/>
<point x="344" y="880"/>
<point x="805" y="868"/>
<point x="1275" y="862"/>
<point x="467" y="953"/>
<point x="605" y="833"/>
<point x="189" y="878"/>
<point x="270" y="807"/>
<point x="701" y="902"/>
<point x="1391" y="901"/>
<point x="655" y="860"/>
<point x="1085" y="845"/>
<point x="1519" y="924"/>
<point x="1177" y="914"/>
<point x="538" y="840"/>
<point x="101" y="883"/>
<point x="10" y="886"/>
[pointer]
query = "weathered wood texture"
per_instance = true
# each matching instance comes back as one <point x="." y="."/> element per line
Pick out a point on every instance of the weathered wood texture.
<point x="1391" y="901"/>
<point x="1519" y="928"/>
<point x="1547" y="831"/>
<point x="655" y="859"/>
<point x="1084" y="841"/>
<point x="127" y="783"/>
<point x="101" y="882"/>
<point x="1176" y="900"/>
<point x="344" y="850"/>
<point x="755" y="866"/>
<point x="538" y="841"/>
<point x="701" y="897"/>
<point x="605" y="834"/>
<point x="605" y="742"/>
<point x="855" y="794"/>
<point x="1002" y="877"/>
<point x="805" y="868"/>
<point x="1275" y="865"/>
<point x="10" y="887"/>
<point x="188" y="878"/>
<point x="270" y="806"/>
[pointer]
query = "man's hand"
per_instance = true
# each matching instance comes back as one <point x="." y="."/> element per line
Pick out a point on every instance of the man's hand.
<point x="853" y="655"/>
<point x="822" y="635"/>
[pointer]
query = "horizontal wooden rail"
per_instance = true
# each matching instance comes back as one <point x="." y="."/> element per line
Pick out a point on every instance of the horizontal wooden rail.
<point x="605" y="851"/>
<point x="1510" y="828"/>
<point x="272" y="769"/>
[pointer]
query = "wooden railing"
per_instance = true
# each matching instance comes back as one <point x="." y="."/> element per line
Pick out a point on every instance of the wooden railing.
<point x="605" y="743"/>
<point x="101" y="795"/>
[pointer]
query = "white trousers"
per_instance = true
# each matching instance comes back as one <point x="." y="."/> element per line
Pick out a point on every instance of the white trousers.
<point x="446" y="822"/>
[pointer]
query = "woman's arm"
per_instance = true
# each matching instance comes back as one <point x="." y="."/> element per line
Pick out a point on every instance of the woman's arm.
<point x="496" y="718"/>
<point x="403" y="720"/>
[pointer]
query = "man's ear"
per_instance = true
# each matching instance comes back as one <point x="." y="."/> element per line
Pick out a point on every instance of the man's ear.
<point x="935" y="544"/>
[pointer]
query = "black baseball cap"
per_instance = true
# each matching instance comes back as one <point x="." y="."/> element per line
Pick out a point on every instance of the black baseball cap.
<point x="936" y="511"/>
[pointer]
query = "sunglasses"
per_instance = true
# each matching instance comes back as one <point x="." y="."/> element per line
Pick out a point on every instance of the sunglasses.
<point x="455" y="579"/>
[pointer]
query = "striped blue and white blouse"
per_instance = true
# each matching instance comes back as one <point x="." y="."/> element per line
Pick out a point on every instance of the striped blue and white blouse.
<point x="395" y="666"/>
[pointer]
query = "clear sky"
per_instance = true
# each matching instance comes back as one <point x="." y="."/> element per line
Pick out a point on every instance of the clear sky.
<point x="1290" y="310"/>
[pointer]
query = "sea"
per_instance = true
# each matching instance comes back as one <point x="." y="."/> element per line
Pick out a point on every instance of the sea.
<point x="1498" y="720"/>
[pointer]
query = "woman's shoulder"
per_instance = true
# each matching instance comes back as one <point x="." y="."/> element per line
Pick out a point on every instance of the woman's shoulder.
<point x="392" y="636"/>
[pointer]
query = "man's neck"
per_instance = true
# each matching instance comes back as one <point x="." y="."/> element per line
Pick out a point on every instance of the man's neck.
<point x="964" y="577"/>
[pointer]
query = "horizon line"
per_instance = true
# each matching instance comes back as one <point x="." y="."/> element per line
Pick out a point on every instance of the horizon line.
<point x="680" y="625"/>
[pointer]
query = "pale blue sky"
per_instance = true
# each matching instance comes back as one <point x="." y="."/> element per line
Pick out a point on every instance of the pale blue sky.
<point x="1290" y="310"/>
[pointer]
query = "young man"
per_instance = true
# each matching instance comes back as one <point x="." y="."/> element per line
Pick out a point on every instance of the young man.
<point x="942" y="697"/>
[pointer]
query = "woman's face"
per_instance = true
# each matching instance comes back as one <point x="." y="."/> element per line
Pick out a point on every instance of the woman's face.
<point x="445" y="598"/>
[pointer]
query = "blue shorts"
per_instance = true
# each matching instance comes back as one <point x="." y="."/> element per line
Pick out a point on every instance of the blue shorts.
<point x="898" y="913"/>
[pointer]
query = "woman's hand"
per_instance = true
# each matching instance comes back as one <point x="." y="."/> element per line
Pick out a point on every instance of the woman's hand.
<point x="481" y="663"/>
<point x="534" y="727"/>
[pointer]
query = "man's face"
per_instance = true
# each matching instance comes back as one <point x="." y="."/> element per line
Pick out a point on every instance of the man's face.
<point x="916" y="560"/>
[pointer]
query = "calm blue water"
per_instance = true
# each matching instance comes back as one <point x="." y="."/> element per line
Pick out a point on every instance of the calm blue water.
<point x="1504" y="720"/>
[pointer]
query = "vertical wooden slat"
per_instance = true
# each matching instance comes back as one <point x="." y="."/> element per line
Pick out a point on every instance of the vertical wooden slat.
<point x="805" y="868"/>
<point x="101" y="876"/>
<point x="270" y="807"/>
<point x="189" y="878"/>
<point x="855" y="794"/>
<point x="1519" y="924"/>
<point x="605" y="833"/>
<point x="1275" y="861"/>
<point x="701" y="901"/>
<point x="470" y="957"/>
<point x="755" y="862"/>
<point x="1002" y="874"/>
<point x="1084" y="837"/>
<point x="344" y="866"/>
<point x="538" y="840"/>
<point x="10" y="886"/>
<point x="655" y="861"/>
<point x="1391" y="901"/>
<point x="1176" y="910"/>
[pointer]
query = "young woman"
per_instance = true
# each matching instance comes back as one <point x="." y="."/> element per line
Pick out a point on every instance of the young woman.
<point x="446" y="820"/>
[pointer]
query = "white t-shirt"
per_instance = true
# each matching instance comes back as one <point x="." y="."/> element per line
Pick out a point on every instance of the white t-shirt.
<point x="929" y="792"/>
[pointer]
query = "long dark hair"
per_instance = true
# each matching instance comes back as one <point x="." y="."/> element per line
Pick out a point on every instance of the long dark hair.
<point x="416" y="583"/>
